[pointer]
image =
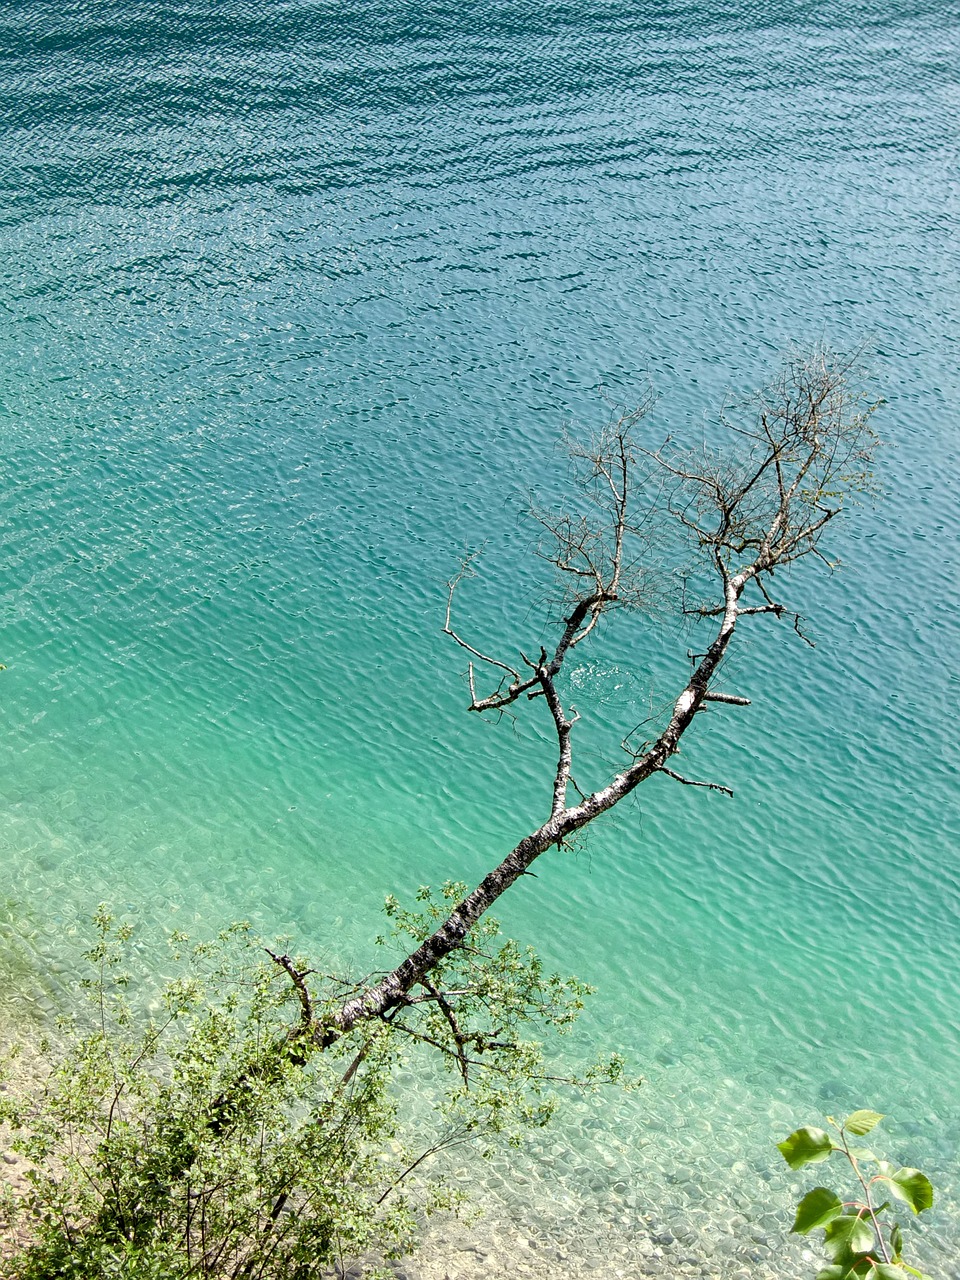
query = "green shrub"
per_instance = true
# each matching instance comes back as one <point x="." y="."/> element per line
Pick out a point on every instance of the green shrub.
<point x="221" y="1137"/>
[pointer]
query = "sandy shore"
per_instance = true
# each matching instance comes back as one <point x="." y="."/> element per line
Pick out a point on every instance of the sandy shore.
<point x="22" y="1073"/>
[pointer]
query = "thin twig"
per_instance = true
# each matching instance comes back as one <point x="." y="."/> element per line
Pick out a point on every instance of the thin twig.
<point x="689" y="782"/>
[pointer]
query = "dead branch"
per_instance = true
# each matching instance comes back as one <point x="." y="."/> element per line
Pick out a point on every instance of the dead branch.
<point x="689" y="782"/>
<point x="466" y="570"/>
<point x="803" y="448"/>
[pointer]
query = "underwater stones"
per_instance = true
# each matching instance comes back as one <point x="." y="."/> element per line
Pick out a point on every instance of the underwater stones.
<point x="833" y="1091"/>
<point x="354" y="1271"/>
<point x="479" y="1252"/>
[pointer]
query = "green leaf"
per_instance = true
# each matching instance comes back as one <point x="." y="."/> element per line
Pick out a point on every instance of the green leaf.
<point x="912" y="1187"/>
<point x="847" y="1235"/>
<point x="816" y="1209"/>
<point x="886" y="1271"/>
<point x="860" y="1122"/>
<point x="805" y="1146"/>
<point x="846" y="1270"/>
<point x="862" y="1153"/>
<point x="896" y="1239"/>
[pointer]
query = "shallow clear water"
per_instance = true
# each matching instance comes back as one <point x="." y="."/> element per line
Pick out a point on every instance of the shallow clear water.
<point x="297" y="299"/>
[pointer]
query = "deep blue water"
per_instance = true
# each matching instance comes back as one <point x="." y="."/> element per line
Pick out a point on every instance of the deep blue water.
<point x="298" y="299"/>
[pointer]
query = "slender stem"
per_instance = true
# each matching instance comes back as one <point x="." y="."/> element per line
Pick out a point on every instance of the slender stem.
<point x="867" y="1197"/>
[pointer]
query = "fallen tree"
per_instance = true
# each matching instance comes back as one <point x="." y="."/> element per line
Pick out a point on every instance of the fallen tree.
<point x="748" y="508"/>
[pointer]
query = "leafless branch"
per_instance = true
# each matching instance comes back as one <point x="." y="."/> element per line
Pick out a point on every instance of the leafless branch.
<point x="689" y="782"/>
<point x="801" y="449"/>
<point x="466" y="570"/>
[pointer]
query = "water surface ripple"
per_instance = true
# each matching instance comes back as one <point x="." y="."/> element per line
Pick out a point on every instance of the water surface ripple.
<point x="297" y="298"/>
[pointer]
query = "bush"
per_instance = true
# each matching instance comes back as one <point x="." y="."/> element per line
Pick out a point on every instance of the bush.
<point x="224" y="1136"/>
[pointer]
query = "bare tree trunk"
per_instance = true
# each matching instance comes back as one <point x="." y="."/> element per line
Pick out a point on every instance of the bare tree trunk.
<point x="391" y="990"/>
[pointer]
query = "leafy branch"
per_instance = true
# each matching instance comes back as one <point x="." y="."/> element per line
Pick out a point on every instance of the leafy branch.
<point x="859" y="1238"/>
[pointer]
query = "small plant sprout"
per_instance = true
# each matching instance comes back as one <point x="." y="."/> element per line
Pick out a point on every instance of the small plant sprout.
<point x="859" y="1237"/>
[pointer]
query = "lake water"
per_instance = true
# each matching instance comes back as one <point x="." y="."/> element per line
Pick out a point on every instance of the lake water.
<point x="298" y="298"/>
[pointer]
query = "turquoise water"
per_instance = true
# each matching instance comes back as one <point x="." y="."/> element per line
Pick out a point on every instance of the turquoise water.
<point x="297" y="299"/>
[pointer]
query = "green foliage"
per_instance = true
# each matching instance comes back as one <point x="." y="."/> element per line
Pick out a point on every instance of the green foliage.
<point x="805" y="1146"/>
<point x="857" y="1239"/>
<point x="817" y="1208"/>
<point x="480" y="1006"/>
<point x="219" y="1137"/>
<point x="860" y="1123"/>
